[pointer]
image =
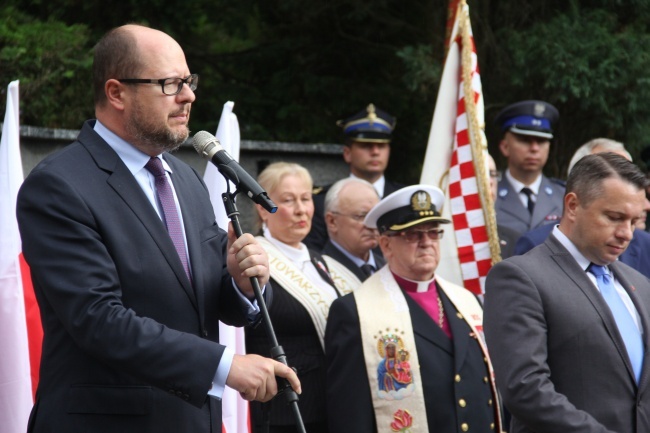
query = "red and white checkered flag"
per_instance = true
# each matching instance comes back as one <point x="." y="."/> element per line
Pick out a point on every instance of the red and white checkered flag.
<point x="456" y="162"/>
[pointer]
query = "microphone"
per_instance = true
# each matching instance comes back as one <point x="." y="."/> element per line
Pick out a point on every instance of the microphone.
<point x="209" y="147"/>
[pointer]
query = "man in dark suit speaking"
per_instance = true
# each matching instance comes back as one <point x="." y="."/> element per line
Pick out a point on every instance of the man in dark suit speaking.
<point x="131" y="272"/>
<point x="567" y="324"/>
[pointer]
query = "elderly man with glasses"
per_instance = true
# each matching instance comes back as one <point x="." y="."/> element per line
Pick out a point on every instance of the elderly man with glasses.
<point x="350" y="242"/>
<point x="405" y="350"/>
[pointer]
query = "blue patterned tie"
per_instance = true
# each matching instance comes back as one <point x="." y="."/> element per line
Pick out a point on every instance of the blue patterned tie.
<point x="170" y="212"/>
<point x="624" y="321"/>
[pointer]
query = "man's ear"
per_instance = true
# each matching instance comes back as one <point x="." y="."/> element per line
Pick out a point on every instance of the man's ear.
<point x="504" y="148"/>
<point x="571" y="204"/>
<point x="384" y="245"/>
<point x="330" y="222"/>
<point x="347" y="154"/>
<point x="114" y="91"/>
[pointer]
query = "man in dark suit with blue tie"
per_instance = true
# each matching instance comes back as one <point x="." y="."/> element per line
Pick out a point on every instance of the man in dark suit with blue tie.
<point x="637" y="253"/>
<point x="130" y="270"/>
<point x="567" y="323"/>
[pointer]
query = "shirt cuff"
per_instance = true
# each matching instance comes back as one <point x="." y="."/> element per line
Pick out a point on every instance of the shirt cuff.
<point x="252" y="308"/>
<point x="220" y="376"/>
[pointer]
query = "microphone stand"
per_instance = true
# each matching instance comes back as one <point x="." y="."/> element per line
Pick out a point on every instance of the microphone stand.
<point x="277" y="352"/>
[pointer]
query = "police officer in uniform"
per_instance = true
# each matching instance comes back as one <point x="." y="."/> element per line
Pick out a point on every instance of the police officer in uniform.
<point x="527" y="199"/>
<point x="367" y="151"/>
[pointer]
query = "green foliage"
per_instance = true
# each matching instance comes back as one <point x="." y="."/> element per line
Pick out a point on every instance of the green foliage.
<point x="53" y="64"/>
<point x="293" y="67"/>
<point x="590" y="62"/>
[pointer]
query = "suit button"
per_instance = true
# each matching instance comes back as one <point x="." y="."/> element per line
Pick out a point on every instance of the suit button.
<point x="457" y="378"/>
<point x="205" y="333"/>
<point x="485" y="379"/>
<point x="460" y="316"/>
<point x="491" y="426"/>
<point x="462" y="403"/>
<point x="490" y="402"/>
<point x="464" y="427"/>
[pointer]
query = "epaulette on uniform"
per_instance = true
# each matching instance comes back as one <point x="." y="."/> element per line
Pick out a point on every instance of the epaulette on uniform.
<point x="557" y="181"/>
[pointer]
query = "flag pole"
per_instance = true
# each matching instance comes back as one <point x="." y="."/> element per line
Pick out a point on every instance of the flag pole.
<point x="477" y="135"/>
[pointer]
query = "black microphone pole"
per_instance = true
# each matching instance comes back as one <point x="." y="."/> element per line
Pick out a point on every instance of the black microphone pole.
<point x="277" y="352"/>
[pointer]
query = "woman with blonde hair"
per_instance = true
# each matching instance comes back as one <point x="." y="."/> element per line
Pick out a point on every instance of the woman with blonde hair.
<point x="302" y="293"/>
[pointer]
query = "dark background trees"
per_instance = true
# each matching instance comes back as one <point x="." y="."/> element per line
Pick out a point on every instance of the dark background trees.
<point x="293" y="67"/>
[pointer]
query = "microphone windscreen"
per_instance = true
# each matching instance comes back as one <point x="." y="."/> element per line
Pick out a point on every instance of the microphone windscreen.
<point x="201" y="140"/>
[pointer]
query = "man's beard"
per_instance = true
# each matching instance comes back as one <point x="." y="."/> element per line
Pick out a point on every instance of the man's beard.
<point x="153" y="136"/>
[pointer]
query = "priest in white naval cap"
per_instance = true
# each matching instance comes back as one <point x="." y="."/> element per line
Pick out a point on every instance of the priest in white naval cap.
<point x="405" y="351"/>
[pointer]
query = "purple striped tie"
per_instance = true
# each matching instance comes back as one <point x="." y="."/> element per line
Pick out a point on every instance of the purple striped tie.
<point x="170" y="212"/>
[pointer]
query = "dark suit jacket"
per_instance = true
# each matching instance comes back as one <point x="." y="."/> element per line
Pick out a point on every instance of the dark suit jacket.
<point x="318" y="237"/>
<point x="332" y="251"/>
<point x="637" y="254"/>
<point x="559" y="360"/>
<point x="451" y="370"/>
<point x="130" y="345"/>
<point x="512" y="213"/>
<point x="296" y="334"/>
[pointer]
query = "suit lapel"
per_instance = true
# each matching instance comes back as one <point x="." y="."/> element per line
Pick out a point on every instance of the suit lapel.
<point x="579" y="276"/>
<point x="391" y="187"/>
<point x="425" y="327"/>
<point x="125" y="185"/>
<point x="460" y="331"/>
<point x="509" y="202"/>
<point x="337" y="255"/>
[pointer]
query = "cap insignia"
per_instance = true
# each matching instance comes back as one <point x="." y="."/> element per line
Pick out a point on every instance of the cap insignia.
<point x="421" y="202"/>
<point x="539" y="110"/>
<point x="372" y="116"/>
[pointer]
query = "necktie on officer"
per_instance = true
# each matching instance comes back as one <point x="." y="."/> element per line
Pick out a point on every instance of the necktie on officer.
<point x="170" y="212"/>
<point x="624" y="320"/>
<point x="529" y="194"/>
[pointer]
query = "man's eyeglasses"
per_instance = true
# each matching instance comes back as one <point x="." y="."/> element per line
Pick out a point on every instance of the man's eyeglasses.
<point x="170" y="86"/>
<point x="357" y="217"/>
<point x="412" y="236"/>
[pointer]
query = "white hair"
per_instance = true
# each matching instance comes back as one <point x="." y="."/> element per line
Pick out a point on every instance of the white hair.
<point x="332" y="197"/>
<point x="606" y="144"/>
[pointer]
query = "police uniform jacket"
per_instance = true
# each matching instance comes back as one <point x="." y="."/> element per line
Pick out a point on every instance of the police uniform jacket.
<point x="513" y="214"/>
